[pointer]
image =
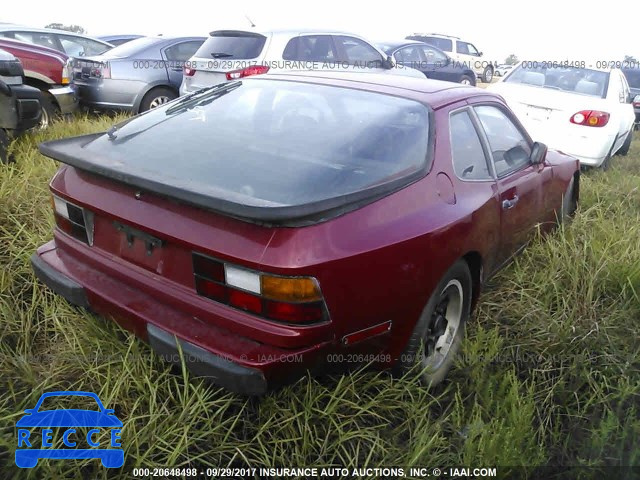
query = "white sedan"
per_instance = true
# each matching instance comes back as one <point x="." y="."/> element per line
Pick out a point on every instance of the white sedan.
<point x="584" y="112"/>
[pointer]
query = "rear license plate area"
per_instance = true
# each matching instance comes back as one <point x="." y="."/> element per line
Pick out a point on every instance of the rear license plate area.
<point x="140" y="247"/>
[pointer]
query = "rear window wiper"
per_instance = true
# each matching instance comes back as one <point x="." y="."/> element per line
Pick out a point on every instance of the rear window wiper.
<point x="202" y="97"/>
<point x="221" y="55"/>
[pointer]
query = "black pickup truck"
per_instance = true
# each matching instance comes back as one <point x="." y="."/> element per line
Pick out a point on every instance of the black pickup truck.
<point x="20" y="107"/>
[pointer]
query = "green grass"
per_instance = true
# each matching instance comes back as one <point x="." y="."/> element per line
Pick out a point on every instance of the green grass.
<point x="550" y="373"/>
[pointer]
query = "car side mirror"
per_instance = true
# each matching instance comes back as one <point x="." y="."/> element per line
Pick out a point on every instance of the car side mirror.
<point x="5" y="89"/>
<point x="108" y="411"/>
<point x="480" y="54"/>
<point x="388" y="63"/>
<point x="538" y="153"/>
<point x="633" y="98"/>
<point x="30" y="410"/>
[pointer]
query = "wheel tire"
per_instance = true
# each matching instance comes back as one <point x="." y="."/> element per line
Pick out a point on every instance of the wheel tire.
<point x="606" y="164"/>
<point x="624" y="149"/>
<point x="569" y="204"/>
<point x="466" y="80"/>
<point x="156" y="97"/>
<point x="455" y="289"/>
<point x="487" y="75"/>
<point x="4" y="147"/>
<point x="50" y="110"/>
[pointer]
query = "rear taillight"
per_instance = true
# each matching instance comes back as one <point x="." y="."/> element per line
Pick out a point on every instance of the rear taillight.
<point x="102" y="70"/>
<point x="67" y="72"/>
<point x="188" y="72"/>
<point x="284" y="299"/>
<point x="73" y="220"/>
<point x="590" y="118"/>
<point x="247" y="72"/>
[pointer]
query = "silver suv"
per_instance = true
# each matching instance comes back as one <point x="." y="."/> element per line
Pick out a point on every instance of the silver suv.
<point x="232" y="54"/>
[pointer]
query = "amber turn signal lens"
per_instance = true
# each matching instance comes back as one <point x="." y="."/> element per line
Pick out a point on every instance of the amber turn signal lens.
<point x="302" y="289"/>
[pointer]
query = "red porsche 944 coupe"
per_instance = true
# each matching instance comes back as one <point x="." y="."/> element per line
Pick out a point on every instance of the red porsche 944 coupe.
<point x="311" y="217"/>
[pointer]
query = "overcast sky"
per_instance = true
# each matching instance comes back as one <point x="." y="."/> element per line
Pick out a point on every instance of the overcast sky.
<point x="541" y="30"/>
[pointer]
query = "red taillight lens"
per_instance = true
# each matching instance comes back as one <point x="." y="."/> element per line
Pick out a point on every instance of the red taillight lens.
<point x="295" y="312"/>
<point x="245" y="301"/>
<point x="247" y="72"/>
<point x="284" y="299"/>
<point x="188" y="72"/>
<point x="212" y="290"/>
<point x="590" y="118"/>
<point x="102" y="70"/>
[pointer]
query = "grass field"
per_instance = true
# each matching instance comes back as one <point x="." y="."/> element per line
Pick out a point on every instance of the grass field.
<point x="550" y="373"/>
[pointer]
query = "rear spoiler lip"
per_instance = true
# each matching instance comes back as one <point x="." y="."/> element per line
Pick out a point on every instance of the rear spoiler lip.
<point x="235" y="33"/>
<point x="70" y="151"/>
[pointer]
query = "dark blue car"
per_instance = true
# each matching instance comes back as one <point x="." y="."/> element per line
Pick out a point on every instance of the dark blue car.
<point x="430" y="60"/>
<point x="67" y="420"/>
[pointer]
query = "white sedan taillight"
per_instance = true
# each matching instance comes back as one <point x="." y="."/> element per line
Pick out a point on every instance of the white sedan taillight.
<point x="590" y="118"/>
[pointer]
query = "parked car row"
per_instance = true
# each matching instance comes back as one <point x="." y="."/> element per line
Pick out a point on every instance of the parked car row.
<point x="135" y="73"/>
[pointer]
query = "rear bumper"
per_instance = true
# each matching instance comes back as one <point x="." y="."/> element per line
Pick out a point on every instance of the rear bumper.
<point x="59" y="283"/>
<point x="587" y="144"/>
<point x="219" y="370"/>
<point x="234" y="362"/>
<point x="66" y="97"/>
<point x="109" y="94"/>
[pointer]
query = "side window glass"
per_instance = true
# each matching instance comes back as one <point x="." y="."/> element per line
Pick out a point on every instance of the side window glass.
<point x="510" y="149"/>
<point x="469" y="161"/>
<point x="411" y="54"/>
<point x="310" y="48"/>
<point x="42" y="39"/>
<point x="472" y="50"/>
<point x="182" y="51"/>
<point x="434" y="56"/>
<point x="359" y="53"/>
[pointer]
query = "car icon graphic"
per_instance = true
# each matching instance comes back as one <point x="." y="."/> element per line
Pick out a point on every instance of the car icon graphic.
<point x="68" y="420"/>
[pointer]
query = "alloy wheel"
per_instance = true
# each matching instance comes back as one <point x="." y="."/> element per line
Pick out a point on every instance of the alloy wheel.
<point x="444" y="324"/>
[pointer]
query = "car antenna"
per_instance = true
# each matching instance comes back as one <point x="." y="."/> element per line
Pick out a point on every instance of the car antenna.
<point x="253" y="25"/>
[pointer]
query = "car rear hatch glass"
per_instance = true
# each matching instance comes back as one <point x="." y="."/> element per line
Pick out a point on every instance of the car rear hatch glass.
<point x="225" y="51"/>
<point x="265" y="150"/>
<point x="580" y="81"/>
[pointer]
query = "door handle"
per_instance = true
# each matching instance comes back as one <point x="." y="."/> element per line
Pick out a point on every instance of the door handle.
<point x="509" y="204"/>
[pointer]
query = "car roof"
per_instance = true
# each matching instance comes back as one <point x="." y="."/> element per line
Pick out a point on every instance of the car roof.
<point x="435" y="93"/>
<point x="401" y="43"/>
<point x="22" y="28"/>
<point x="439" y="35"/>
<point x="108" y="38"/>
<point x="290" y="32"/>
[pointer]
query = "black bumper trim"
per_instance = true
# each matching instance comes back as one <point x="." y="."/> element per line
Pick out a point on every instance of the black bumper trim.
<point x="59" y="283"/>
<point x="222" y="372"/>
